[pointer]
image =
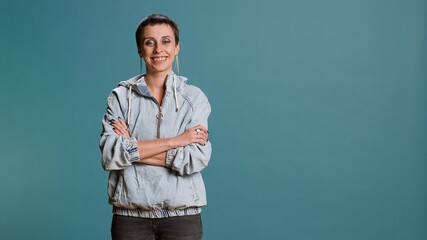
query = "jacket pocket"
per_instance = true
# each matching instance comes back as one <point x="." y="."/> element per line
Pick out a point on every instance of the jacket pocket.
<point x="136" y="175"/>
<point x="194" y="191"/>
<point x="118" y="189"/>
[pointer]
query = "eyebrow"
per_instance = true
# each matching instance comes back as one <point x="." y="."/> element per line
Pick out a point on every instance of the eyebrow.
<point x="167" y="36"/>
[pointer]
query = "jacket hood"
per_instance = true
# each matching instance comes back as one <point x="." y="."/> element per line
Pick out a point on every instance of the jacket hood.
<point x="174" y="84"/>
<point x="138" y="84"/>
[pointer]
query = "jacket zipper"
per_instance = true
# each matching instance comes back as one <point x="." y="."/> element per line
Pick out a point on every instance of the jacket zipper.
<point x="159" y="118"/>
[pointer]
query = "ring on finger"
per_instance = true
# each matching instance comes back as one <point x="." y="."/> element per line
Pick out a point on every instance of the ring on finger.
<point x="198" y="130"/>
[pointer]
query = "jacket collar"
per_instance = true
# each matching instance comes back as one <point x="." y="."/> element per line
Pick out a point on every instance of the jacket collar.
<point x="138" y="84"/>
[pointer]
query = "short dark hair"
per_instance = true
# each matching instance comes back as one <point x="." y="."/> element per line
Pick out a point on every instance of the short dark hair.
<point x="156" y="19"/>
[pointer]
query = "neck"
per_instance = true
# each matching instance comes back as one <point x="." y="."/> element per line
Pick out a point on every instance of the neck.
<point x="156" y="80"/>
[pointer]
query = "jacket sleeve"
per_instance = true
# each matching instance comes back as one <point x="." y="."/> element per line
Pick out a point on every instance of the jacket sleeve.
<point x="193" y="157"/>
<point x="117" y="152"/>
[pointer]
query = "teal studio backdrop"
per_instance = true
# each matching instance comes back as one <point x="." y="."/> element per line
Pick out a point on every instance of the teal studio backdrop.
<point x="319" y="122"/>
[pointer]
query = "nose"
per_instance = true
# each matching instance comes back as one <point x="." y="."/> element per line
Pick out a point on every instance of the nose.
<point x="158" y="49"/>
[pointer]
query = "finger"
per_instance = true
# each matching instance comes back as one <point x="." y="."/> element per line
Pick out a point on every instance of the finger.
<point x="117" y="128"/>
<point x="122" y="121"/>
<point x="120" y="125"/>
<point x="203" y="135"/>
<point x="204" y="130"/>
<point x="201" y="142"/>
<point x="200" y="129"/>
<point x="117" y="131"/>
<point x="117" y="125"/>
<point x="114" y="123"/>
<point x="121" y="133"/>
<point x="196" y="138"/>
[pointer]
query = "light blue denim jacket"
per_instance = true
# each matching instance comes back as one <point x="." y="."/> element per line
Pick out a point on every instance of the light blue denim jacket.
<point x="142" y="190"/>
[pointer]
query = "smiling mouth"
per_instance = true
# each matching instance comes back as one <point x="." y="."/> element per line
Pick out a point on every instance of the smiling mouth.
<point x="159" y="59"/>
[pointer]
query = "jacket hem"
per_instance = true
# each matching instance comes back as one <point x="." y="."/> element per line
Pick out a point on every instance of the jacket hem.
<point x="157" y="213"/>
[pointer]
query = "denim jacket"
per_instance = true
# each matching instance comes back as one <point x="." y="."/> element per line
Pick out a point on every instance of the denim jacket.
<point x="141" y="190"/>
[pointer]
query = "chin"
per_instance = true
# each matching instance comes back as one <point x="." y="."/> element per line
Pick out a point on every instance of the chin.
<point x="159" y="69"/>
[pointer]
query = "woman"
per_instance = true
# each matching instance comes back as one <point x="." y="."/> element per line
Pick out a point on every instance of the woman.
<point x="155" y="144"/>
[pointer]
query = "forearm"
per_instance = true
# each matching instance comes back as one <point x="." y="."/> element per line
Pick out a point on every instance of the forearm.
<point x="153" y="152"/>
<point x="154" y="161"/>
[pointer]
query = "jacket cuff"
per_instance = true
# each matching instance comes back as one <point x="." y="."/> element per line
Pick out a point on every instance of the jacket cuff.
<point x="131" y="149"/>
<point x="170" y="156"/>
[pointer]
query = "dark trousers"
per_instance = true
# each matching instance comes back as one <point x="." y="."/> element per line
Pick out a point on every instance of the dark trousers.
<point x="172" y="228"/>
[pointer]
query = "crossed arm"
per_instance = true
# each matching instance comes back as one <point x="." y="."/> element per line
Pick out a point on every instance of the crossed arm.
<point x="153" y="152"/>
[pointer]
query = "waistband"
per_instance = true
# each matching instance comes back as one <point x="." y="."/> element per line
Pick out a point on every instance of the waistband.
<point x="157" y="213"/>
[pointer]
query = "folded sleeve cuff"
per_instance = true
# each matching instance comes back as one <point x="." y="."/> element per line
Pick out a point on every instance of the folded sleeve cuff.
<point x="170" y="156"/>
<point x="131" y="149"/>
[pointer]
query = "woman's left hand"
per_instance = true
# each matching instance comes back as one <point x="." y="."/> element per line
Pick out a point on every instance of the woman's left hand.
<point x="120" y="128"/>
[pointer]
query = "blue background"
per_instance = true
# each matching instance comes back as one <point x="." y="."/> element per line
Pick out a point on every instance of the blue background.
<point x="319" y="122"/>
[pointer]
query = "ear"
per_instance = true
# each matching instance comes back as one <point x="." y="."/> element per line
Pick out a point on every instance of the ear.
<point x="177" y="49"/>
<point x="139" y="51"/>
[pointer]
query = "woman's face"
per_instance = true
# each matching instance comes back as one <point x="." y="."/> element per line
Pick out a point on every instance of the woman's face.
<point x="158" y="48"/>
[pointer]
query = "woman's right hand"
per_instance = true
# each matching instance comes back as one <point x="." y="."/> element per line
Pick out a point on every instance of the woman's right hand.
<point x="197" y="134"/>
<point x="120" y="128"/>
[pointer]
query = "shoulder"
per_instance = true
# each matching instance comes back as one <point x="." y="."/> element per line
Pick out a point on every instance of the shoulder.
<point x="193" y="94"/>
<point x="120" y="92"/>
<point x="188" y="90"/>
<point x="194" y="91"/>
<point x="195" y="97"/>
<point x="123" y="86"/>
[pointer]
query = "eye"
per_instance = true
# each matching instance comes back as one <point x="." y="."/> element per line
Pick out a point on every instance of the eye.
<point x="150" y="43"/>
<point x="166" y="41"/>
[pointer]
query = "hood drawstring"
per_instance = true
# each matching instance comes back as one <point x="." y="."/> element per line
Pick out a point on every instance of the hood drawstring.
<point x="130" y="99"/>
<point x="175" y="95"/>
<point x="129" y="103"/>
